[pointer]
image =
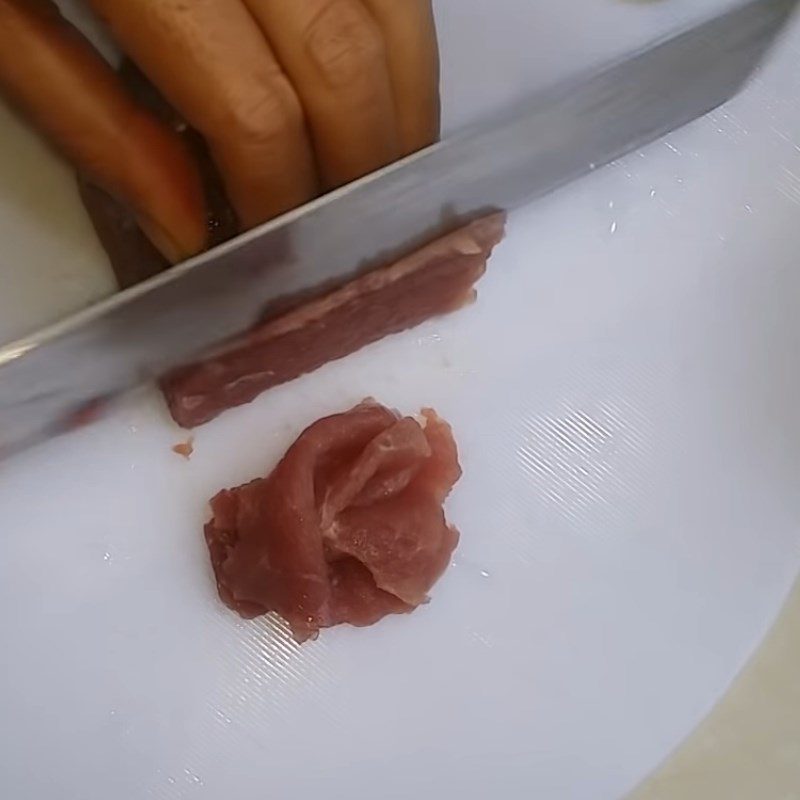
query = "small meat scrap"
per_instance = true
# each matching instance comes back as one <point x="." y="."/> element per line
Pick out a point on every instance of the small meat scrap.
<point x="184" y="449"/>
<point x="435" y="280"/>
<point x="348" y="528"/>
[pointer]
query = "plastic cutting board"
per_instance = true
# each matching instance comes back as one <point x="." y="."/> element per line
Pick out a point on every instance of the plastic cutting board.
<point x="625" y="395"/>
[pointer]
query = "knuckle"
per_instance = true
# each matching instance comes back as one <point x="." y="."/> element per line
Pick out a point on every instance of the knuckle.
<point x="345" y="43"/>
<point x="267" y="113"/>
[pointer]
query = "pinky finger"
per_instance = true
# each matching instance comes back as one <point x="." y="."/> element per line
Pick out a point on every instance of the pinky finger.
<point x="409" y="31"/>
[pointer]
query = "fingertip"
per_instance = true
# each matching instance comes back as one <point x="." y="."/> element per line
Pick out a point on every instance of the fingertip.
<point x="174" y="245"/>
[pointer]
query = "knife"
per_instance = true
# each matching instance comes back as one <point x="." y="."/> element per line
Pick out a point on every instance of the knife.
<point x="57" y="378"/>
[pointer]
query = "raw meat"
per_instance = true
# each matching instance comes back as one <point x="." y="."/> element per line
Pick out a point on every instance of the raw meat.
<point x="436" y="279"/>
<point x="348" y="528"/>
<point x="184" y="449"/>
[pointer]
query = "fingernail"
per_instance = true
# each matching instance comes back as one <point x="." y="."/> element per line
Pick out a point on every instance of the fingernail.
<point x="165" y="243"/>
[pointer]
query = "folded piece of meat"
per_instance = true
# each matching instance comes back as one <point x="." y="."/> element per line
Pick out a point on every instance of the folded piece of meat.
<point x="435" y="280"/>
<point x="348" y="528"/>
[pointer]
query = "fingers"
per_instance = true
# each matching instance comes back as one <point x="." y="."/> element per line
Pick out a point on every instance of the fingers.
<point x="365" y="75"/>
<point x="213" y="64"/>
<point x="412" y="51"/>
<point x="333" y="52"/>
<point x="52" y="73"/>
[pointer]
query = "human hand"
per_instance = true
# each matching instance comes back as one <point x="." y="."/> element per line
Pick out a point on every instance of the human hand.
<point x="293" y="98"/>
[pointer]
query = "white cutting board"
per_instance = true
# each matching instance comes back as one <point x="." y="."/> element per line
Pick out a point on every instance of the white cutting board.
<point x="625" y="396"/>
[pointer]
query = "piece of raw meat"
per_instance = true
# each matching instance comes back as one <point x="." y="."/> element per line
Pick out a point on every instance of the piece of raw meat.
<point x="434" y="280"/>
<point x="348" y="528"/>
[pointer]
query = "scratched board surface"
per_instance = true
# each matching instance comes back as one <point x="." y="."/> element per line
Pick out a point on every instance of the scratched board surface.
<point x="624" y="394"/>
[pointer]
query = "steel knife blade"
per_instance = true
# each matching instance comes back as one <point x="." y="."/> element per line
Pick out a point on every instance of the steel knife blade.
<point x="54" y="379"/>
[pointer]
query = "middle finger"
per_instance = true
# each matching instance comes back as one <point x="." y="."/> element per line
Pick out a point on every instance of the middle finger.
<point x="333" y="52"/>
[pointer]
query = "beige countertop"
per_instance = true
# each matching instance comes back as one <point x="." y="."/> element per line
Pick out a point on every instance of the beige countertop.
<point x="749" y="747"/>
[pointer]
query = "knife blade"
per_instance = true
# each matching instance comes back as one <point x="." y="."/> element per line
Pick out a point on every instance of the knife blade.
<point x="56" y="379"/>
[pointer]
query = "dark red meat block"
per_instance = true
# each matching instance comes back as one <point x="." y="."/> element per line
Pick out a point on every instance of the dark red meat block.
<point x="348" y="528"/>
<point x="435" y="280"/>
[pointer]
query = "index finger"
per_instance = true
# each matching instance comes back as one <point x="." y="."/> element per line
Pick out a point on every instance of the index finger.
<point x="52" y="73"/>
<point x="210" y="60"/>
<point x="409" y="31"/>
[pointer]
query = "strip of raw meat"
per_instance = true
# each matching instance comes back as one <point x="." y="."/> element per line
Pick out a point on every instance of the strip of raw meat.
<point x="348" y="528"/>
<point x="435" y="280"/>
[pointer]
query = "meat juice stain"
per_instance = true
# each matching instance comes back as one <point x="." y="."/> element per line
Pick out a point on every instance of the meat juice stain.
<point x="86" y="414"/>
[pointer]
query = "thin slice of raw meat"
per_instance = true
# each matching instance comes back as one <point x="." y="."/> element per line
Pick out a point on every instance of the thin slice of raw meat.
<point x="348" y="528"/>
<point x="435" y="280"/>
